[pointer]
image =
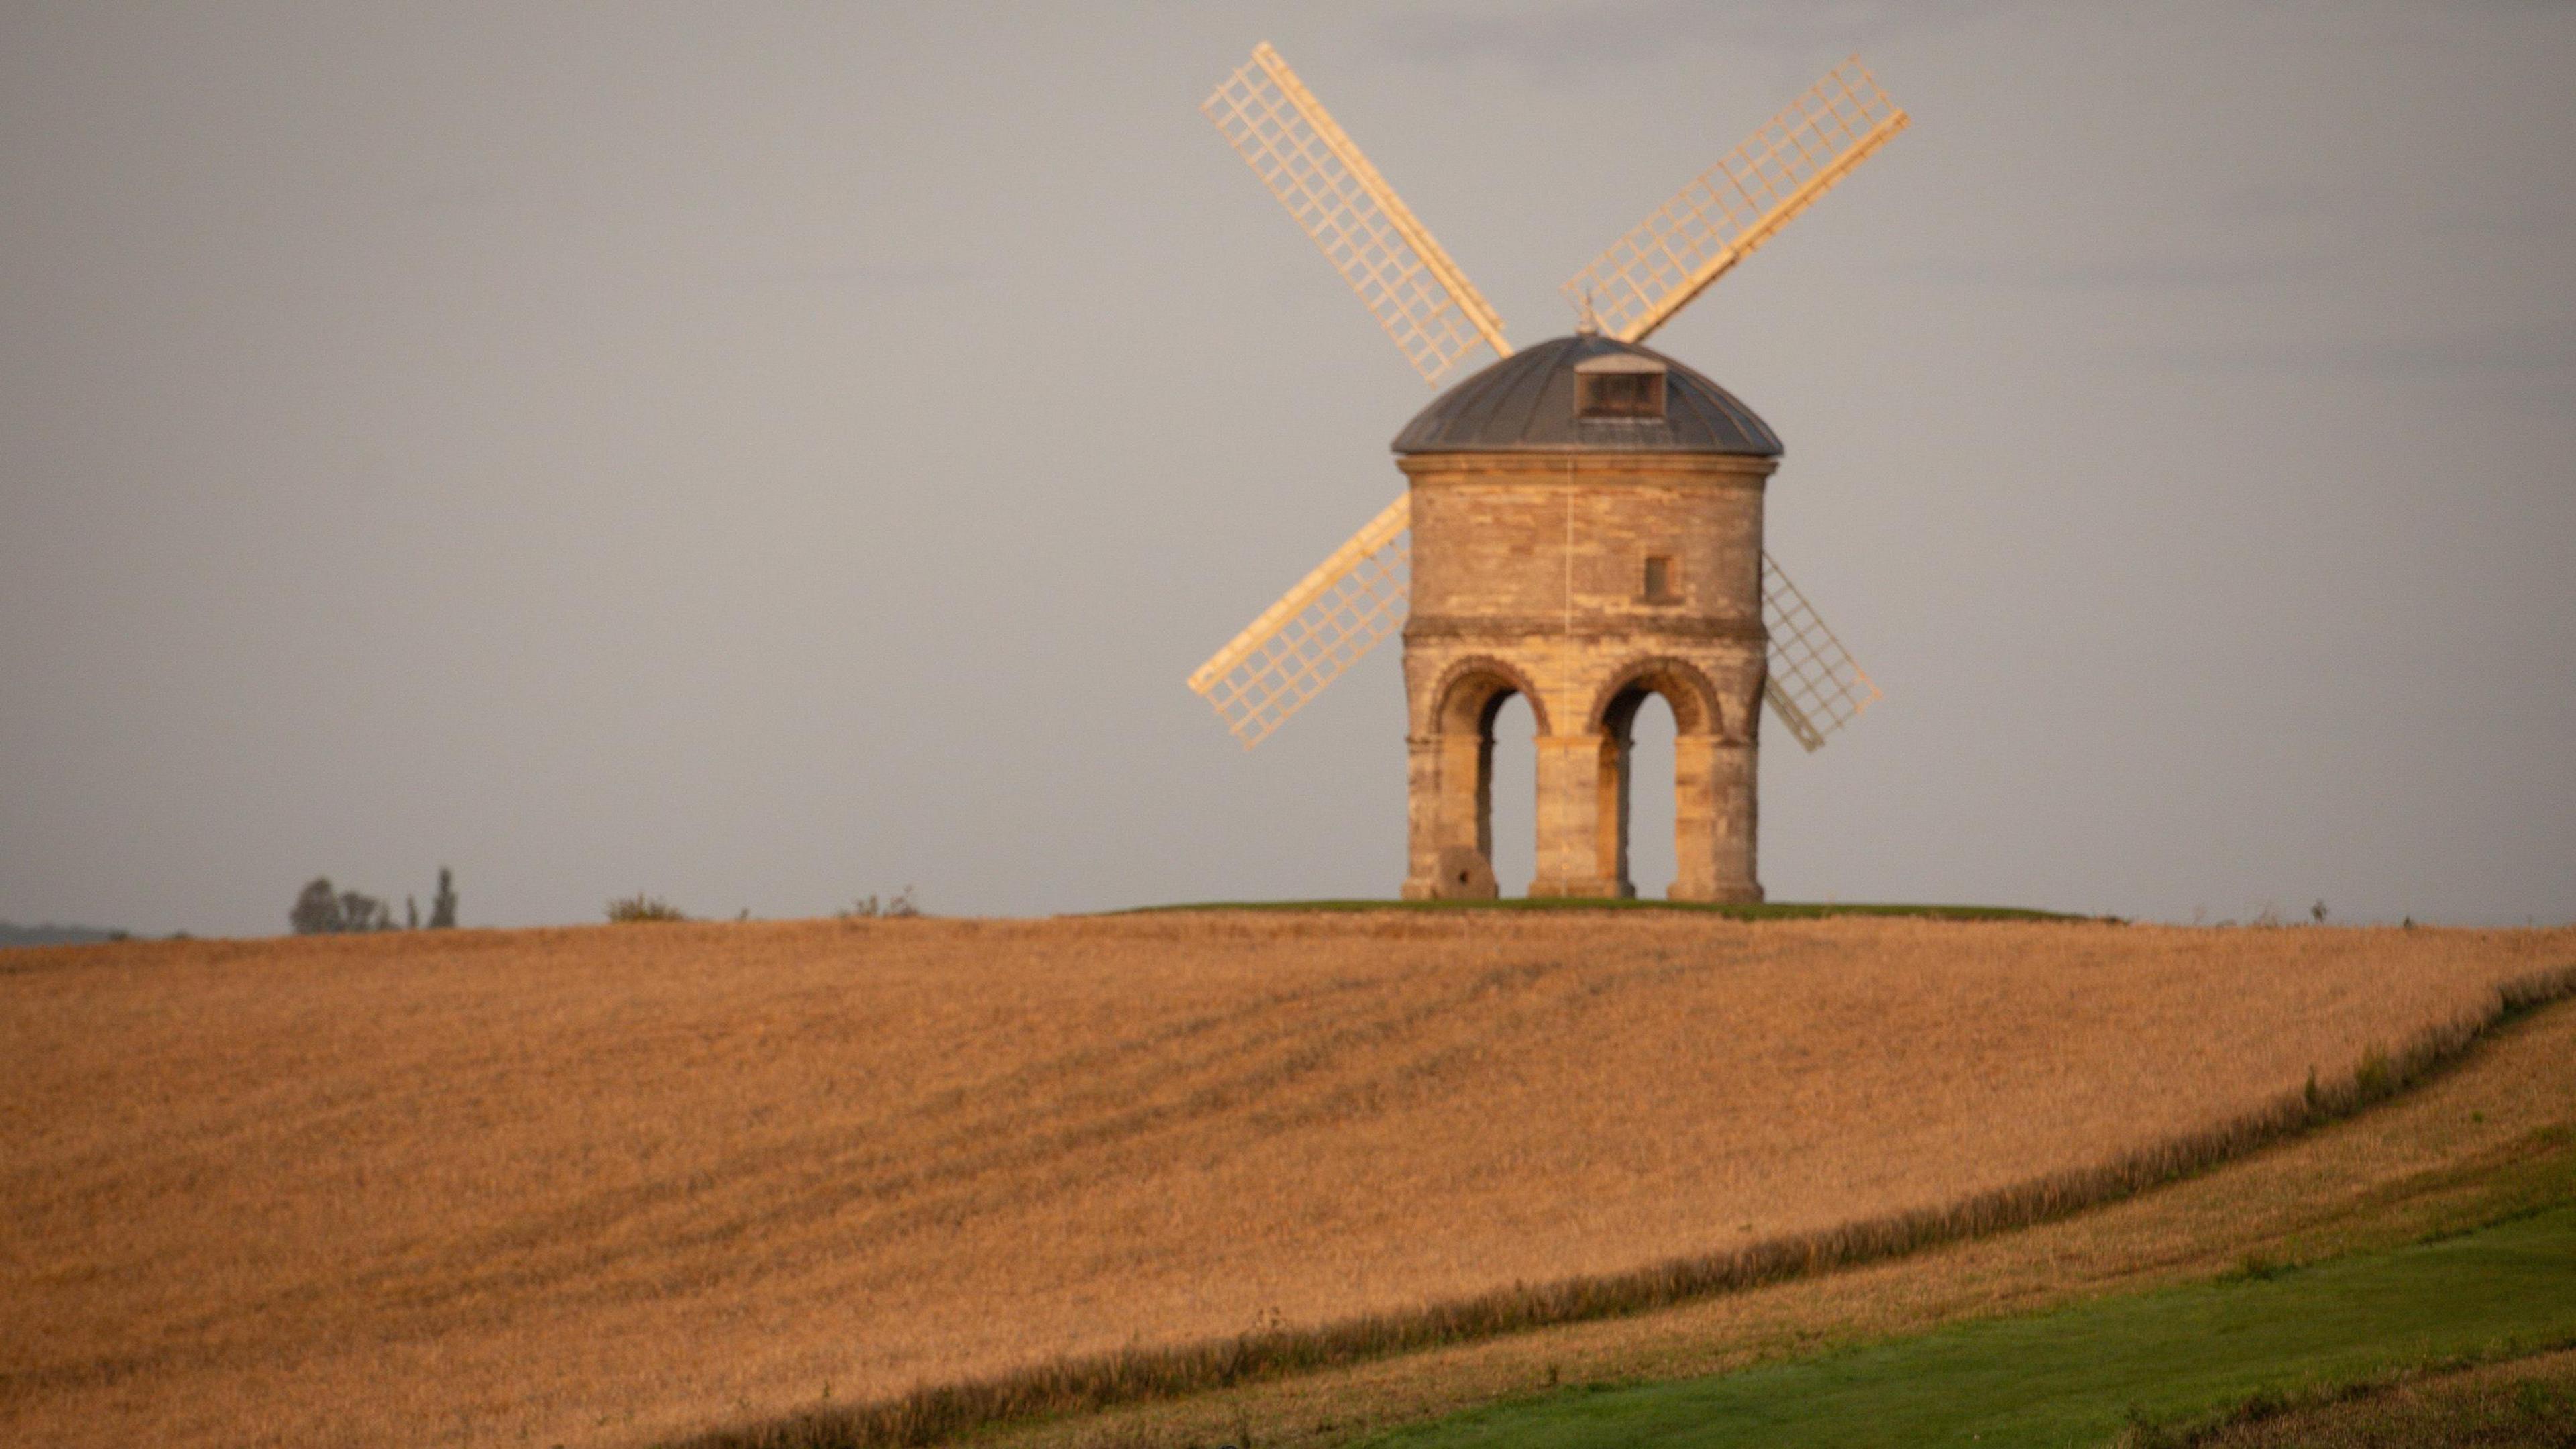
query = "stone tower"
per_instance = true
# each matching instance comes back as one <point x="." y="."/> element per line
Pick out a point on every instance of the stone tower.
<point x="1587" y="530"/>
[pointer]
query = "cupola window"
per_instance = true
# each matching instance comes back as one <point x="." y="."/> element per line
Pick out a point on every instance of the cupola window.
<point x="1619" y="385"/>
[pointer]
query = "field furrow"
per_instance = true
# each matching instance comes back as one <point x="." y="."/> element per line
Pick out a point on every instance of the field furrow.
<point x="589" y="1186"/>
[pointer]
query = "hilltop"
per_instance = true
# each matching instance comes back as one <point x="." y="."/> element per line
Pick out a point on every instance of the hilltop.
<point x="605" y="1184"/>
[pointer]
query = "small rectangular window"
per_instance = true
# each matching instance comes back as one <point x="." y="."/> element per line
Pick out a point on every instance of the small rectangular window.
<point x="1659" y="579"/>
<point x="1619" y="394"/>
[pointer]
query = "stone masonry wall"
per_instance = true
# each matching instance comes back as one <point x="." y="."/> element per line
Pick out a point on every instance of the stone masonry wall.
<point x="1528" y="576"/>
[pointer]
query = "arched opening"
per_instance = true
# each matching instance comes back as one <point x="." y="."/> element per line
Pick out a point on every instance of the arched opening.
<point x="1507" y="792"/>
<point x="1654" y="813"/>
<point x="1649" y="787"/>
<point x="1475" y="748"/>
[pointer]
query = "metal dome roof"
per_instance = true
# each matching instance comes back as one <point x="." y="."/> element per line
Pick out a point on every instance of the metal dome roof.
<point x="1525" y="403"/>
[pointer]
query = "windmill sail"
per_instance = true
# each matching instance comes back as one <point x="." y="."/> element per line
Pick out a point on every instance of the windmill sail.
<point x="1358" y="596"/>
<point x="1321" y="627"/>
<point x="1815" y="686"/>
<point x="1717" y="220"/>
<point x="1417" y="294"/>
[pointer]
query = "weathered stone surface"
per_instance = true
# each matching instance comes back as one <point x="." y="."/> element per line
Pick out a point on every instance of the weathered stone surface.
<point x="1530" y="577"/>
<point x="1465" y="875"/>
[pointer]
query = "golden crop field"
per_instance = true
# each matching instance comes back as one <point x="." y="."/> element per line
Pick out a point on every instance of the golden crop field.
<point x="589" y="1186"/>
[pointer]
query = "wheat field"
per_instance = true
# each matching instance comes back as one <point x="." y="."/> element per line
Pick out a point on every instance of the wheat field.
<point x="594" y="1186"/>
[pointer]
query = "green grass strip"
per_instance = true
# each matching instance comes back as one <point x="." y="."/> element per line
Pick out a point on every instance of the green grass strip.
<point x="2079" y="1375"/>
<point x="1741" y="911"/>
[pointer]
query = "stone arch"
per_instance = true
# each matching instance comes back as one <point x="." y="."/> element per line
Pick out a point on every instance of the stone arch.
<point x="1458" y="734"/>
<point x="1693" y="696"/>
<point x="1699" y="721"/>
<point x="1471" y="690"/>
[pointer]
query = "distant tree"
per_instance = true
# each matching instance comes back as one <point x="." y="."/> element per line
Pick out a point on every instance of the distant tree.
<point x="362" y="912"/>
<point x="442" y="907"/>
<point x="641" y="907"/>
<point x="869" y="907"/>
<point x="317" y="909"/>
<point x="322" y="911"/>
<point x="411" y="913"/>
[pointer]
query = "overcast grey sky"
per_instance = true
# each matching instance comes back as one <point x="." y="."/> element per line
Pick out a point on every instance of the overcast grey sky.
<point x="763" y="455"/>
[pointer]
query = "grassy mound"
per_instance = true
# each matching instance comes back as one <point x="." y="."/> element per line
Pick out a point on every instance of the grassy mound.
<point x="1733" y="911"/>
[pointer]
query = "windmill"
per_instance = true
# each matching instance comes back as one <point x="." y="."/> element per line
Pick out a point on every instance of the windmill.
<point x="1582" y="523"/>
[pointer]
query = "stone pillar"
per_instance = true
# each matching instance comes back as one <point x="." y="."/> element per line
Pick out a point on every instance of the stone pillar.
<point x="1714" y="820"/>
<point x="1615" y="786"/>
<point x="1569" y="818"/>
<point x="1695" y="817"/>
<point x="1738" y="819"/>
<point x="1447" y="817"/>
<point x="1423" y="836"/>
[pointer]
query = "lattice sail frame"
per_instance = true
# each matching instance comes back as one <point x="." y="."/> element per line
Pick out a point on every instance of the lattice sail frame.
<point x="1408" y="283"/>
<point x="1815" y="686"/>
<point x="1355" y="598"/>
<point x="1334" y="615"/>
<point x="1719" y="218"/>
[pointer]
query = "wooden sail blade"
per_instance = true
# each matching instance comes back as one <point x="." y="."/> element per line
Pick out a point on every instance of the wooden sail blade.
<point x="1317" y="629"/>
<point x="1814" y="687"/>
<point x="1417" y="294"/>
<point x="1738" y="204"/>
